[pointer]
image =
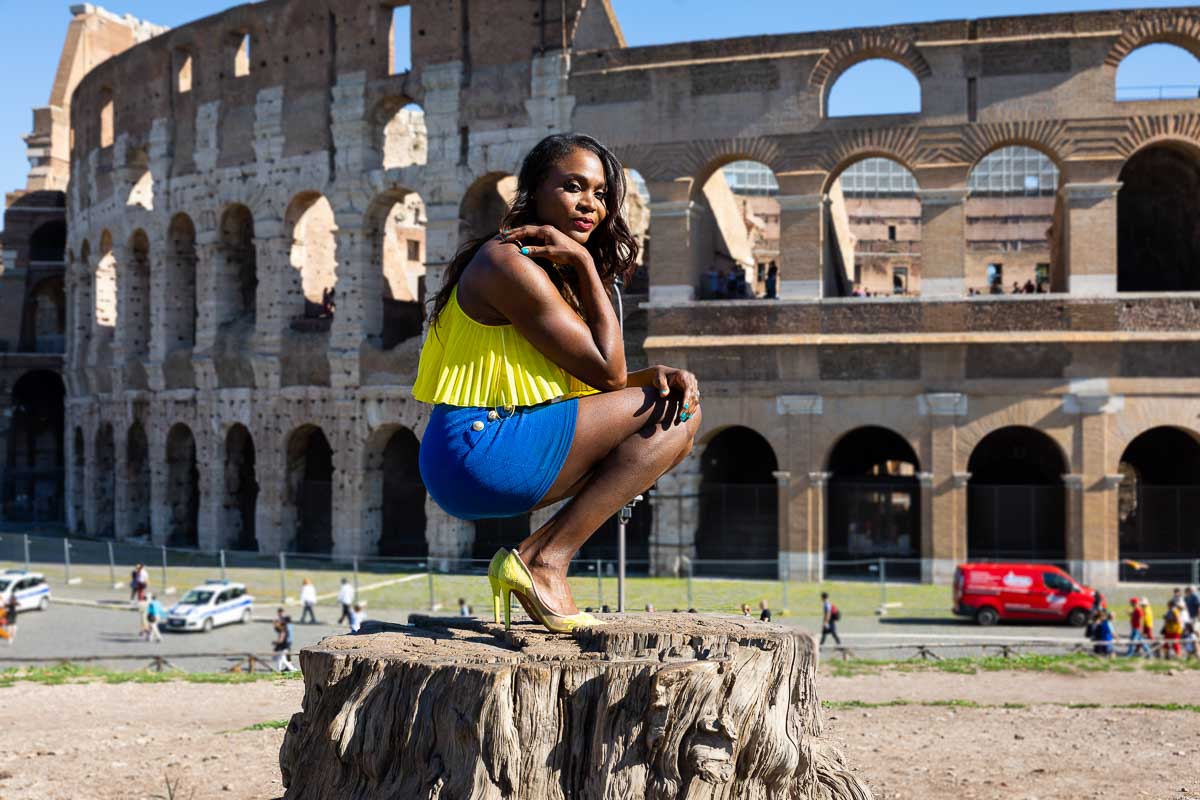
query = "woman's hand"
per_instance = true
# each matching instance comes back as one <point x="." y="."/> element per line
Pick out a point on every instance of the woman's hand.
<point x="556" y="245"/>
<point x="680" y="384"/>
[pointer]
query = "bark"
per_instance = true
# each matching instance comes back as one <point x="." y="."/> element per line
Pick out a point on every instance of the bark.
<point x="649" y="706"/>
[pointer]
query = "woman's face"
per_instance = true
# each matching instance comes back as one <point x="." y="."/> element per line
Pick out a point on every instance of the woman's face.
<point x="572" y="196"/>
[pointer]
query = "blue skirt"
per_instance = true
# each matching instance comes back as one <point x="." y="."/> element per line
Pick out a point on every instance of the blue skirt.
<point x="481" y="463"/>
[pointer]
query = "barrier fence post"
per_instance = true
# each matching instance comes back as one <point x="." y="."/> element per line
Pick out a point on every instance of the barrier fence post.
<point x="26" y="536"/>
<point x="429" y="572"/>
<point x="282" y="577"/>
<point x="67" y="560"/>
<point x="112" y="567"/>
<point x="599" y="583"/>
<point x="883" y="585"/>
<point x="222" y="552"/>
<point x="164" y="568"/>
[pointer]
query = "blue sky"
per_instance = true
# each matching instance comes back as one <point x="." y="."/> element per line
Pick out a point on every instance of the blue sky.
<point x="33" y="33"/>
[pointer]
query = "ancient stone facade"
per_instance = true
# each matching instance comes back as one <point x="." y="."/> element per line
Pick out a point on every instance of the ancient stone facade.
<point x="229" y="302"/>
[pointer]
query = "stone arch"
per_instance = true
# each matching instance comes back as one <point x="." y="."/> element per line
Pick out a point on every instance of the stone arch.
<point x="311" y="289"/>
<point x="1016" y="504"/>
<point x="395" y="494"/>
<point x="1158" y="244"/>
<point x="237" y="266"/>
<point x="79" y="481"/>
<point x="871" y="227"/>
<point x="1014" y="212"/>
<point x="1158" y="500"/>
<point x="309" y="498"/>
<point x="183" y="488"/>
<point x="179" y="311"/>
<point x="48" y="242"/>
<point x="739" y="502"/>
<point x="485" y="203"/>
<point x="395" y="226"/>
<point x="400" y="134"/>
<point x="137" y="482"/>
<point x="732" y="241"/>
<point x="855" y="92"/>
<point x="1177" y="29"/>
<point x="43" y="320"/>
<point x="239" y="491"/>
<point x="873" y="507"/>
<point x="105" y="277"/>
<point x="1137" y="77"/>
<point x="135" y="284"/>
<point x="852" y="50"/>
<point x="33" y="473"/>
<point x="104" y="489"/>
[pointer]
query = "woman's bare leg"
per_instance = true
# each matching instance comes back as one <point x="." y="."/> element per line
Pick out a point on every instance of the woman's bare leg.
<point x="624" y="441"/>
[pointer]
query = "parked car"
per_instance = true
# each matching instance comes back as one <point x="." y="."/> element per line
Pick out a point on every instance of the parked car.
<point x="211" y="604"/>
<point x="990" y="593"/>
<point x="30" y="588"/>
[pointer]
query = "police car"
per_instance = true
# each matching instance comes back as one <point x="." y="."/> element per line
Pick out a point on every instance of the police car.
<point x="211" y="604"/>
<point x="30" y="589"/>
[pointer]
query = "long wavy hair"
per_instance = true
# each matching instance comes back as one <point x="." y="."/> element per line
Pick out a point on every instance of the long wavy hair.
<point x="612" y="246"/>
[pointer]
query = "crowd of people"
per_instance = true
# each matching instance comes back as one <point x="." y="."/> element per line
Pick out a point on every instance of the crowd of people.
<point x="731" y="284"/>
<point x="1178" y="628"/>
<point x="1029" y="287"/>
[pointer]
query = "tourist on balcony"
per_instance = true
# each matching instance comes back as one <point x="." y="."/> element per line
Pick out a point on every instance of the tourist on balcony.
<point x="772" y="281"/>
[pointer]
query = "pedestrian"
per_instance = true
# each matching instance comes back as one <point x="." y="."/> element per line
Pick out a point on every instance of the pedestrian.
<point x="143" y="606"/>
<point x="135" y="586"/>
<point x="764" y="614"/>
<point x="356" y="618"/>
<point x="283" y="641"/>
<point x="143" y="581"/>
<point x="346" y="598"/>
<point x="1100" y="631"/>
<point x="308" y="599"/>
<point x="1191" y="599"/>
<point x="10" y="617"/>
<point x="4" y="632"/>
<point x="1098" y="601"/>
<point x="1189" y="642"/>
<point x="1148" y="624"/>
<point x="154" y="615"/>
<point x="772" y="281"/>
<point x="745" y="609"/>
<point x="464" y="610"/>
<point x="1180" y="603"/>
<point x="1172" y="629"/>
<point x="829" y="619"/>
<point x="1135" y="629"/>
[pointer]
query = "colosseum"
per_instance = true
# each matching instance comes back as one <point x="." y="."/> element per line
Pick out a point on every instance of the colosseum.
<point x="260" y="201"/>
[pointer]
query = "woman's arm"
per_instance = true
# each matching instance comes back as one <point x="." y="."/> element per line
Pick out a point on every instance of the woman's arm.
<point x="521" y="292"/>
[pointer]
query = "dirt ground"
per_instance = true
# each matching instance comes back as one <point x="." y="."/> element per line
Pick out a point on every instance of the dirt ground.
<point x="99" y="741"/>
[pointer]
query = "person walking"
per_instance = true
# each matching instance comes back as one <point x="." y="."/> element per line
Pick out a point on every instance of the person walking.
<point x="1191" y="599"/>
<point x="1148" y="625"/>
<point x="356" y="618"/>
<point x="283" y="641"/>
<point x="143" y="607"/>
<point x="143" y="581"/>
<point x="154" y="615"/>
<point x="1136" y="641"/>
<point x="1172" y="629"/>
<point x="829" y="619"/>
<point x="346" y="598"/>
<point x="1101" y="632"/>
<point x="1189" y="642"/>
<point x="10" y="617"/>
<point x="134" y="588"/>
<point x="308" y="599"/>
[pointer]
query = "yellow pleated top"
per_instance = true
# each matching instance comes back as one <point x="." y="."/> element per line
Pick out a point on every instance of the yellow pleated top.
<point x="466" y="363"/>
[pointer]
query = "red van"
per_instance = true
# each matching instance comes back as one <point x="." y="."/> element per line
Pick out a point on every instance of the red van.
<point x="992" y="592"/>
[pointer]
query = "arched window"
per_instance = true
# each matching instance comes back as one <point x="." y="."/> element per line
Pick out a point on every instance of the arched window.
<point x="739" y="231"/>
<point x="402" y="136"/>
<point x="872" y="87"/>
<point x="310" y="490"/>
<point x="1158" y="241"/>
<point x="106" y="117"/>
<point x="396" y="225"/>
<point x="237" y="279"/>
<point x="180" y="308"/>
<point x="183" y="488"/>
<point x="1158" y="503"/>
<point x="240" y="491"/>
<point x="1158" y="72"/>
<point x="313" y="256"/>
<point x="135" y="283"/>
<point x="485" y="203"/>
<point x="873" y="231"/>
<point x="739" y="504"/>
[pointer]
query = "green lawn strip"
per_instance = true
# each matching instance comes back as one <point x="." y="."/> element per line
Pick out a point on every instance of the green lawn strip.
<point x="1073" y="663"/>
<point x="74" y="673"/>
<point x="839" y="705"/>
<point x="269" y="725"/>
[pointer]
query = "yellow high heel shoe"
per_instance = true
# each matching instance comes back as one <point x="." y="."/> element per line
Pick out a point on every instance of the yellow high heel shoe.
<point x="507" y="574"/>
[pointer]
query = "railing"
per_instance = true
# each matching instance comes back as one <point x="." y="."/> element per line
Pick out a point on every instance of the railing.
<point x="1178" y="91"/>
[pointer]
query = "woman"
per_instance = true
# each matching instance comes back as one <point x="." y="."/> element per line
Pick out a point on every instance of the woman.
<point x="525" y="366"/>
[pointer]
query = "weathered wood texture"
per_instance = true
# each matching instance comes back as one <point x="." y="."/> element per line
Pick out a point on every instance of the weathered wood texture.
<point x="651" y="706"/>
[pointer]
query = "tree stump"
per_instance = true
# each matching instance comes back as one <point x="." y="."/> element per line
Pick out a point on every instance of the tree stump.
<point x="648" y="706"/>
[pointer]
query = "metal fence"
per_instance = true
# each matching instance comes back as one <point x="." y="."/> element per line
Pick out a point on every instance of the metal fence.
<point x="99" y="570"/>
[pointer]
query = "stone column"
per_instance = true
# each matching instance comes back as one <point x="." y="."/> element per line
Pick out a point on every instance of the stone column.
<point x="783" y="483"/>
<point x="210" y="464"/>
<point x="121" y="484"/>
<point x="676" y="504"/>
<point x="818" y="483"/>
<point x="1073" y="505"/>
<point x="450" y="538"/>
<point x="160" y="484"/>
<point x="209" y="295"/>
<point x="1090" y="238"/>
<point x="1093" y="538"/>
<point x="89" y="475"/>
<point x="159" y="322"/>
<point x="121" y="332"/>
<point x="674" y="218"/>
<point x="801" y="218"/>
<point x="797" y="542"/>
<point x="943" y="242"/>
<point x="925" y="512"/>
<point x="272" y="249"/>
<point x="272" y="490"/>
<point x="348" y="482"/>
<point x="358" y="300"/>
<point x="943" y="528"/>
